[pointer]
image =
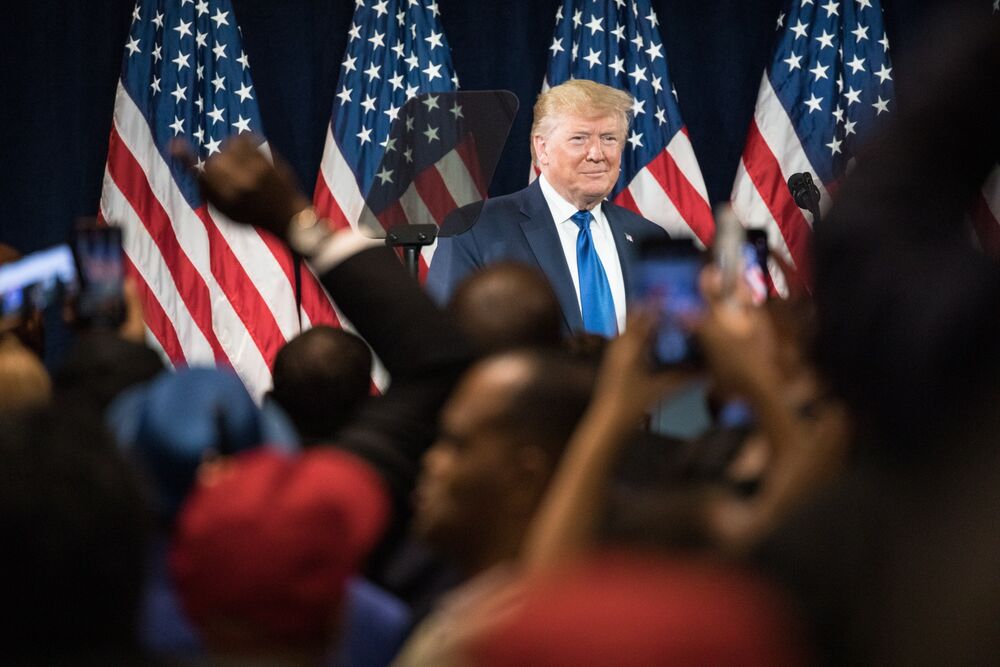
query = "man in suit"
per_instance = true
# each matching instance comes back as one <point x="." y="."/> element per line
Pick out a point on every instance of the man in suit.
<point x="562" y="222"/>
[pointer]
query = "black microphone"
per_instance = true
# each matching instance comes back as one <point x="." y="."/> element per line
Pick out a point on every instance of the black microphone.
<point x="805" y="193"/>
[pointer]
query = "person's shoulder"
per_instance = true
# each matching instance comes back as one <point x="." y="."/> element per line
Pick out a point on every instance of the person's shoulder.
<point x="632" y="221"/>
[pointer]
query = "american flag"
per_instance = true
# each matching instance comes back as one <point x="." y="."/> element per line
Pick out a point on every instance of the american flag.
<point x="618" y="43"/>
<point x="829" y="85"/>
<point x="396" y="51"/>
<point x="213" y="291"/>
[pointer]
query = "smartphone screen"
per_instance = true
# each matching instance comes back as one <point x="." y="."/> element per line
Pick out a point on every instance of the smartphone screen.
<point x="667" y="274"/>
<point x="755" y="265"/>
<point x="36" y="280"/>
<point x="99" y="258"/>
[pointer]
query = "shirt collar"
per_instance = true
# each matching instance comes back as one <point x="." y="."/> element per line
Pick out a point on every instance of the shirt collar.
<point x="561" y="209"/>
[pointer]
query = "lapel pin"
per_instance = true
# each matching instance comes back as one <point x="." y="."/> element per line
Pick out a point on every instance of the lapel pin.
<point x="628" y="237"/>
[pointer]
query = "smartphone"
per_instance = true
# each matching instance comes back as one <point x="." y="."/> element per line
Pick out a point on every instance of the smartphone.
<point x="37" y="280"/>
<point x="98" y="253"/>
<point x="755" y="254"/>
<point x="666" y="274"/>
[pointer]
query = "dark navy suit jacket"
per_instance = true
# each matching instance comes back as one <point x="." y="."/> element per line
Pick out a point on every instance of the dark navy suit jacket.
<point x="519" y="227"/>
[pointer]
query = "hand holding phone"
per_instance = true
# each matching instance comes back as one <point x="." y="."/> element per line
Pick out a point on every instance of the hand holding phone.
<point x="98" y="252"/>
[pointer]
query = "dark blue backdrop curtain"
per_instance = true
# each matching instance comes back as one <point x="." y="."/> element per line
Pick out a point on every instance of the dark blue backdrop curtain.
<point x="59" y="62"/>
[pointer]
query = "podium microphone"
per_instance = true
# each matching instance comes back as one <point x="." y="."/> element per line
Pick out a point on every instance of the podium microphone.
<point x="805" y="193"/>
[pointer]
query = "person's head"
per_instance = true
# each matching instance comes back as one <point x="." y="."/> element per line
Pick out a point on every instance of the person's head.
<point x="507" y="305"/>
<point x="74" y="523"/>
<point x="264" y="546"/>
<point x="577" y="139"/>
<point x="502" y="433"/>
<point x="24" y="382"/>
<point x="320" y="378"/>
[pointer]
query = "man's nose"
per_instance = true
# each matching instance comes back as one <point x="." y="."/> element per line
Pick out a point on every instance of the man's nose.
<point x="595" y="153"/>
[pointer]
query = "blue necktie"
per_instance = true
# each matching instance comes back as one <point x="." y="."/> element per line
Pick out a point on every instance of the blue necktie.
<point x="595" y="293"/>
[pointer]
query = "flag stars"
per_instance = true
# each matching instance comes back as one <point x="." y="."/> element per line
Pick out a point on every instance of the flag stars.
<point x="396" y="81"/>
<point x="594" y="58"/>
<point x="433" y="7"/>
<point x="825" y="39"/>
<point x="157" y="53"/>
<point x="183" y="28"/>
<point x="852" y="96"/>
<point x="654" y="51"/>
<point x="880" y="105"/>
<point x="373" y="72"/>
<point x="577" y="18"/>
<point x="365" y="135"/>
<point x="408" y="155"/>
<point x="201" y="72"/>
<point x="354" y="33"/>
<point x="432" y="71"/>
<point x="201" y="39"/>
<point x="344" y="95"/>
<point x="201" y="7"/>
<point x="849" y="127"/>
<point x="781" y="21"/>
<point x="638" y="74"/>
<point x="392" y="112"/>
<point x="385" y="176"/>
<point x="368" y="103"/>
<point x="814" y="103"/>
<point x="220" y="51"/>
<point x="595" y="25"/>
<point x="379" y="8"/>
<point x="243" y="60"/>
<point x="220" y="18"/>
<point x="800" y="29"/>
<point x="180" y="93"/>
<point x="619" y="32"/>
<point x="660" y="116"/>
<point x="377" y="39"/>
<point x="884" y="73"/>
<point x="412" y="62"/>
<point x="200" y="103"/>
<point x="133" y="46"/>
<point x="431" y="102"/>
<point x="155" y="85"/>
<point x="638" y="107"/>
<point x="242" y="124"/>
<point x="864" y="4"/>
<point x="831" y="9"/>
<point x="794" y="62"/>
<point x="199" y="134"/>
<point x="434" y="39"/>
<point x="834" y="146"/>
<point x="618" y="65"/>
<point x="398" y="48"/>
<point x="158" y="19"/>
<point x="653" y="21"/>
<point x="884" y="42"/>
<point x="389" y="144"/>
<point x="349" y="63"/>
<point x="431" y="133"/>
<point x="857" y="65"/>
<point x="136" y="15"/>
<point x="219" y="82"/>
<point x="181" y="60"/>
<point x="556" y="46"/>
<point x="838" y="113"/>
<point x="456" y="111"/>
<point x="244" y="92"/>
<point x="635" y="139"/>
<point x="638" y="41"/>
<point x="177" y="126"/>
<point x="656" y="83"/>
<point x="819" y="71"/>
<point x="216" y="114"/>
<point x="860" y="33"/>
<point x="212" y="146"/>
<point x="411" y="92"/>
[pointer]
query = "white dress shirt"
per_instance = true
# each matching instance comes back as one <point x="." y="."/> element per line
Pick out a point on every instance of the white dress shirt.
<point x="562" y="212"/>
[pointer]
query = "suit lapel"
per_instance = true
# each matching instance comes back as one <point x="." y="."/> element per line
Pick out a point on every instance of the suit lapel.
<point x="540" y="231"/>
<point x="623" y="242"/>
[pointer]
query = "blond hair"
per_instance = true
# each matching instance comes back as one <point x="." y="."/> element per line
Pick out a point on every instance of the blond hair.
<point x="581" y="97"/>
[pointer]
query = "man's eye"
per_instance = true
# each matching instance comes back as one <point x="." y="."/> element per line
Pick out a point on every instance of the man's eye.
<point x="610" y="140"/>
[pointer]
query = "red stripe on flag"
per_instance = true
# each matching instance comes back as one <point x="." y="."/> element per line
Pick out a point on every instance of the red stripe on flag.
<point x="765" y="173"/>
<point x="128" y="175"/>
<point x="625" y="200"/>
<point x="392" y="216"/>
<point x="326" y="205"/>
<point x="434" y="193"/>
<point x="156" y="318"/>
<point x="240" y="290"/>
<point x="470" y="156"/>
<point x="687" y="200"/>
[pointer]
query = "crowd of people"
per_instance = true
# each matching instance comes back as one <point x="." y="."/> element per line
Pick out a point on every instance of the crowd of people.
<point x="504" y="502"/>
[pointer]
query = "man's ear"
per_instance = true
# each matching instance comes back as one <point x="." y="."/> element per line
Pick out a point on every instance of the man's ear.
<point x="534" y="469"/>
<point x="542" y="157"/>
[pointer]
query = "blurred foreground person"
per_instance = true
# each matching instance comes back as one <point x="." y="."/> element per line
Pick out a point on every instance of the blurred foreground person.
<point x="320" y="378"/>
<point x="502" y="435"/>
<point x="74" y="521"/>
<point x="24" y="382"/>
<point x="898" y="563"/>
<point x="230" y="558"/>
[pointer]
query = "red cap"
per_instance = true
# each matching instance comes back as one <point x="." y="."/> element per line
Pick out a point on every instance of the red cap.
<point x="632" y="610"/>
<point x="261" y="552"/>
